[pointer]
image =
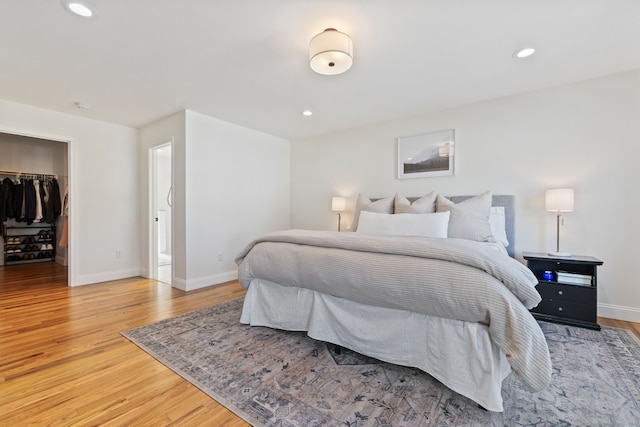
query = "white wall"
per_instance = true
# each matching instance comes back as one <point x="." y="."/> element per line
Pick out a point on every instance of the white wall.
<point x="103" y="173"/>
<point x="237" y="187"/>
<point x="584" y="135"/>
<point x="230" y="185"/>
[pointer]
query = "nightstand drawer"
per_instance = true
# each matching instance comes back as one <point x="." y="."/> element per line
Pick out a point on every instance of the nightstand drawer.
<point x="587" y="313"/>
<point x="571" y="293"/>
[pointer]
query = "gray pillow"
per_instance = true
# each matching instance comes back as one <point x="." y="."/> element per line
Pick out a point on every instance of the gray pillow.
<point x="425" y="204"/>
<point x="365" y="204"/>
<point x="469" y="219"/>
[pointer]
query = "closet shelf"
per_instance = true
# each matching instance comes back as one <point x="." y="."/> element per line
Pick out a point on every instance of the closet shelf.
<point x="27" y="175"/>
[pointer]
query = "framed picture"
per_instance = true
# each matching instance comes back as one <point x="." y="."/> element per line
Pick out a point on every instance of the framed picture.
<point x="427" y="155"/>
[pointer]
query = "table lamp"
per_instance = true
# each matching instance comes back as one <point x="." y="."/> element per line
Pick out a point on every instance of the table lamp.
<point x="559" y="200"/>
<point x="339" y="204"/>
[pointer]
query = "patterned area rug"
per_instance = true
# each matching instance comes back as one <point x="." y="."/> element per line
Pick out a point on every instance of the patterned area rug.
<point x="276" y="378"/>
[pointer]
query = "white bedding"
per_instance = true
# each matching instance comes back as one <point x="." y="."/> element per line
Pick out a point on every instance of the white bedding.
<point x="438" y="346"/>
<point x="429" y="289"/>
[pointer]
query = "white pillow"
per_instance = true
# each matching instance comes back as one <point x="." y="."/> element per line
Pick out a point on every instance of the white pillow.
<point x="425" y="225"/>
<point x="365" y="204"/>
<point x="469" y="218"/>
<point x="425" y="204"/>
<point x="497" y="222"/>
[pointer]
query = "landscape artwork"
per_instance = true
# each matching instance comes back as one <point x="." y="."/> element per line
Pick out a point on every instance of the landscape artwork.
<point x="426" y="155"/>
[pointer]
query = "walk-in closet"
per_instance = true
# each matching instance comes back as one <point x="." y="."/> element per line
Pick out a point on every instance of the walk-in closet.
<point x="33" y="200"/>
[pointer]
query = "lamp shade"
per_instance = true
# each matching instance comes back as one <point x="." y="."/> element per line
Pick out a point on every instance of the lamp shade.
<point x="330" y="52"/>
<point x="559" y="200"/>
<point x="338" y="204"/>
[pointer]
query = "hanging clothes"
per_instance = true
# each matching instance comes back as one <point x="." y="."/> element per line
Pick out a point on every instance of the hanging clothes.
<point x="29" y="202"/>
<point x="18" y="200"/>
<point x="6" y="199"/>
<point x="47" y="200"/>
<point x="38" y="193"/>
<point x="65" y="202"/>
<point x="56" y="205"/>
<point x="64" y="235"/>
<point x="21" y="216"/>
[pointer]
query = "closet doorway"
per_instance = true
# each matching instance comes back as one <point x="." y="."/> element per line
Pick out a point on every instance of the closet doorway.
<point x="162" y="201"/>
<point x="35" y="160"/>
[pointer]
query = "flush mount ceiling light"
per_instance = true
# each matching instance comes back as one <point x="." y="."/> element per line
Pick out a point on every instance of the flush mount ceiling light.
<point x="307" y="113"/>
<point x="330" y="52"/>
<point x="524" y="52"/>
<point x="80" y="8"/>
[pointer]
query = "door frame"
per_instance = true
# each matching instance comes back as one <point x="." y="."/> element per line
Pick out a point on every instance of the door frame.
<point x="153" y="209"/>
<point x="72" y="265"/>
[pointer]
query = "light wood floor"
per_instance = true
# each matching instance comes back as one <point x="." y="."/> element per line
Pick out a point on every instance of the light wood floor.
<point x="64" y="362"/>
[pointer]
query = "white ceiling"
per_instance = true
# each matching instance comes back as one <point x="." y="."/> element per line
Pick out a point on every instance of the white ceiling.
<point x="246" y="61"/>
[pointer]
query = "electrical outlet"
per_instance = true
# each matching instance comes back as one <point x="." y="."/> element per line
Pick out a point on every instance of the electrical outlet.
<point x="220" y="256"/>
<point x="118" y="254"/>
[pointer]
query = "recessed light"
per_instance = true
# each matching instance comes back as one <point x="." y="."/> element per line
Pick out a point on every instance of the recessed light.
<point x="524" y="52"/>
<point x="80" y="8"/>
<point x="307" y="113"/>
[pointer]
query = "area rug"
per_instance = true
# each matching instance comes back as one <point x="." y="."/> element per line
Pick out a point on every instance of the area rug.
<point x="275" y="378"/>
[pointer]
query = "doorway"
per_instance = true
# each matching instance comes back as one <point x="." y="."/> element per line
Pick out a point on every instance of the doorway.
<point x="162" y="201"/>
<point x="36" y="158"/>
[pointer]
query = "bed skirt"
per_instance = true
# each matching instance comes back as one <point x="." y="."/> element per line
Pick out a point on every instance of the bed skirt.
<point x="459" y="354"/>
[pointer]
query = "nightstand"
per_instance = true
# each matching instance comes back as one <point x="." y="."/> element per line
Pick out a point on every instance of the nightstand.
<point x="568" y="287"/>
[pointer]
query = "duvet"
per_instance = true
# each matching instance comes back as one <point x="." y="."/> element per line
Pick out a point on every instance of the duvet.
<point x="449" y="278"/>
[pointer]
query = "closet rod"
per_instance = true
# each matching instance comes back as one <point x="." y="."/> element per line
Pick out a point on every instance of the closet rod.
<point x="19" y="173"/>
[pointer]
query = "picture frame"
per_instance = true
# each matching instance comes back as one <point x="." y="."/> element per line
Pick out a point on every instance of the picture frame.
<point x="427" y="155"/>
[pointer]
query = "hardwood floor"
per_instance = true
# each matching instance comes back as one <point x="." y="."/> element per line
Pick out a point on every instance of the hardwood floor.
<point x="633" y="327"/>
<point x="64" y="362"/>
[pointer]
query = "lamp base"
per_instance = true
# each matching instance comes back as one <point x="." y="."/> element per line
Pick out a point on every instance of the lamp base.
<point x="559" y="254"/>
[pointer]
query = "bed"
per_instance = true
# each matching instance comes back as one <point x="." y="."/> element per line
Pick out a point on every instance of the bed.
<point x="456" y="307"/>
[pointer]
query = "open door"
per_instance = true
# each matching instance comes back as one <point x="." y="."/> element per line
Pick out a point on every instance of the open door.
<point x="162" y="201"/>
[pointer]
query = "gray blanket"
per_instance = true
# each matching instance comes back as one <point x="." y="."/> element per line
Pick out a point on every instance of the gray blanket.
<point x="451" y="278"/>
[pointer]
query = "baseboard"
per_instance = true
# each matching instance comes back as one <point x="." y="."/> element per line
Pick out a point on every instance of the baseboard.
<point x="89" y="279"/>
<point x="619" y="312"/>
<point x="203" y="282"/>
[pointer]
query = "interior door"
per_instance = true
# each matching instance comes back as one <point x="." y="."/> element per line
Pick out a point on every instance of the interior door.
<point x="161" y="211"/>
